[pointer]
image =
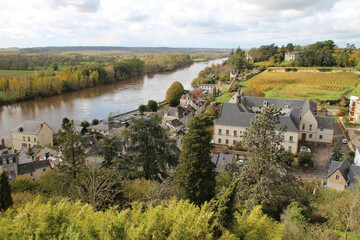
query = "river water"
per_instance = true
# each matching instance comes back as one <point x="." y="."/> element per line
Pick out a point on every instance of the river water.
<point x="97" y="102"/>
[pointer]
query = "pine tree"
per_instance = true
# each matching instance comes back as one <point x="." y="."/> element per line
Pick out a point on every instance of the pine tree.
<point x="263" y="179"/>
<point x="5" y="192"/>
<point x="73" y="154"/>
<point x="195" y="176"/>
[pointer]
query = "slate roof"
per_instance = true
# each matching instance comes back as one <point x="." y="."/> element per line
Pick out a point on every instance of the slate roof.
<point x="343" y="167"/>
<point x="232" y="116"/>
<point x="32" y="127"/>
<point x="23" y="160"/>
<point x="278" y="103"/>
<point x="325" y="122"/>
<point x="2" y="147"/>
<point x="32" y="166"/>
<point x="176" y="122"/>
<point x="221" y="160"/>
<point x="7" y="158"/>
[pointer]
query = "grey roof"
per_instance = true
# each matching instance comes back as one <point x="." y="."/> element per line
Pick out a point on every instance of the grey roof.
<point x="353" y="172"/>
<point x="343" y="167"/>
<point x="32" y="127"/>
<point x="32" y="166"/>
<point x="7" y="158"/>
<point x="2" y="147"/>
<point x="325" y="122"/>
<point x="277" y="102"/>
<point x="23" y="160"/>
<point x="100" y="127"/>
<point x="221" y="160"/>
<point x="176" y="122"/>
<point x="232" y="116"/>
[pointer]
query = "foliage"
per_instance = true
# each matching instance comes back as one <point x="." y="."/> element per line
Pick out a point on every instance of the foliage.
<point x="5" y="190"/>
<point x="152" y="106"/>
<point x="304" y="159"/>
<point x="174" y="92"/>
<point x="317" y="54"/>
<point x="255" y="225"/>
<point x="161" y="63"/>
<point x="109" y="148"/>
<point x="68" y="220"/>
<point x="73" y="155"/>
<point x="142" y="108"/>
<point x="150" y="152"/>
<point x="295" y="222"/>
<point x="287" y="157"/>
<point x="53" y="184"/>
<point x="174" y="102"/>
<point x="95" y="121"/>
<point x="337" y="153"/>
<point x="148" y="191"/>
<point x="263" y="179"/>
<point x="85" y="124"/>
<point x="23" y="183"/>
<point x="195" y="176"/>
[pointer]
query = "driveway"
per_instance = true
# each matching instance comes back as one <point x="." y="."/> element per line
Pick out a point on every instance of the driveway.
<point x="321" y="152"/>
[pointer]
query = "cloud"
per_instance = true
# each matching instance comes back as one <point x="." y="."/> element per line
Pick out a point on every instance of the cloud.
<point x="81" y="5"/>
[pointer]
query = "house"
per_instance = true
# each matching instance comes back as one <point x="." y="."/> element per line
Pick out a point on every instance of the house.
<point x="105" y="126"/>
<point x="291" y="56"/>
<point x="184" y="115"/>
<point x="248" y="56"/>
<point x="8" y="165"/>
<point x="221" y="160"/>
<point x="207" y="87"/>
<point x="31" y="133"/>
<point x="175" y="126"/>
<point x="33" y="169"/>
<point x="300" y="117"/>
<point x="196" y="103"/>
<point x="342" y="175"/>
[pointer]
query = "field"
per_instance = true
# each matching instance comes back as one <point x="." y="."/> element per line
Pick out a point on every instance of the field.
<point x="292" y="85"/>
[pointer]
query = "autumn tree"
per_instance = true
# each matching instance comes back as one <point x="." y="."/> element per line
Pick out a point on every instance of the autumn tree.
<point x="5" y="192"/>
<point x="174" y="92"/>
<point x="263" y="179"/>
<point x="195" y="175"/>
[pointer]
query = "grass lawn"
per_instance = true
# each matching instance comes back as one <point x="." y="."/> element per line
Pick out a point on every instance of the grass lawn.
<point x="199" y="59"/>
<point x="304" y="85"/>
<point x="225" y="97"/>
<point x="16" y="71"/>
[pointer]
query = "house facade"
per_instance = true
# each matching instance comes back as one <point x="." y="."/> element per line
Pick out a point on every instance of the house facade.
<point x="300" y="117"/>
<point x="31" y="133"/>
<point x="354" y="109"/>
<point x="291" y="56"/>
<point x="341" y="175"/>
<point x="8" y="164"/>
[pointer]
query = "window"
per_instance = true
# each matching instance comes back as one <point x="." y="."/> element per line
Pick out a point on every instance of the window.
<point x="29" y="139"/>
<point x="219" y="140"/>
<point x="235" y="133"/>
<point x="265" y="103"/>
<point x="24" y="145"/>
<point x="227" y="141"/>
<point x="303" y="128"/>
<point x="310" y="127"/>
<point x="31" y="174"/>
<point x="220" y="131"/>
<point x="337" y="177"/>
<point x="10" y="177"/>
<point x="10" y="160"/>
<point x="4" y="161"/>
<point x="5" y="169"/>
<point x="290" y="148"/>
<point x="310" y="135"/>
<point x="227" y="132"/>
<point x="321" y="129"/>
<point x="34" y="139"/>
<point x="291" y="138"/>
<point x="23" y="138"/>
<point x="12" y="169"/>
<point x="234" y="142"/>
<point x="282" y="147"/>
<point x="321" y="136"/>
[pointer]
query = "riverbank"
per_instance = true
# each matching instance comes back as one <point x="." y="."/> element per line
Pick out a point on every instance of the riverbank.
<point x="99" y="101"/>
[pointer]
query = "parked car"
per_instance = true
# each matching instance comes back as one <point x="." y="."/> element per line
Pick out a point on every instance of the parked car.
<point x="344" y="141"/>
<point x="304" y="148"/>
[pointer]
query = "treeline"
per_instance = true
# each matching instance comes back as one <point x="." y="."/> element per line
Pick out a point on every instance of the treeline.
<point x="324" y="53"/>
<point x="49" y="83"/>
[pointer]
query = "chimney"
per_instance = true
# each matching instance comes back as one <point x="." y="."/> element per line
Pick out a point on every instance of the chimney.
<point x="41" y="125"/>
<point x="2" y="142"/>
<point x="94" y="136"/>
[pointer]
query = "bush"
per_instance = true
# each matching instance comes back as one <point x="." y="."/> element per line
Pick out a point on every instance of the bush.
<point x="174" y="102"/>
<point x="152" y="105"/>
<point x="23" y="183"/>
<point x="142" y="108"/>
<point x="95" y="121"/>
<point x="304" y="159"/>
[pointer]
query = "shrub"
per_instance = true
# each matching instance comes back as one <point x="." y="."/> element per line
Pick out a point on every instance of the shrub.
<point x="304" y="159"/>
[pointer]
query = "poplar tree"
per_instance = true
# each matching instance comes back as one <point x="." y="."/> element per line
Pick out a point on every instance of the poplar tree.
<point x="195" y="175"/>
<point x="5" y="192"/>
<point x="263" y="179"/>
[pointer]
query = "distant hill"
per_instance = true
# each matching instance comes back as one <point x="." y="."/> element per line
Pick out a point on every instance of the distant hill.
<point x="113" y="48"/>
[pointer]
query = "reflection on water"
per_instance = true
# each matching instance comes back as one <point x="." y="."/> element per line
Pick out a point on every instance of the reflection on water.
<point x="97" y="102"/>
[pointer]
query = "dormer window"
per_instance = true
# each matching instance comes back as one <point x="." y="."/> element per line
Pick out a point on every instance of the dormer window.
<point x="265" y="103"/>
<point x="286" y="106"/>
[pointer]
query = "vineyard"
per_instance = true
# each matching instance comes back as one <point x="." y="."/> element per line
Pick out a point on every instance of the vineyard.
<point x="292" y="85"/>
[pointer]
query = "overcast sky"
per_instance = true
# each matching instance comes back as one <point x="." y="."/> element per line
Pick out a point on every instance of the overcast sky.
<point x="177" y="23"/>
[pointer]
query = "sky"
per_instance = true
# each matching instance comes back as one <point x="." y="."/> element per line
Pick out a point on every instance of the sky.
<point x="177" y="23"/>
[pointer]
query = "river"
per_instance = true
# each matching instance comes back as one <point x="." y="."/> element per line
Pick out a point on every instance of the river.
<point x="97" y="102"/>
